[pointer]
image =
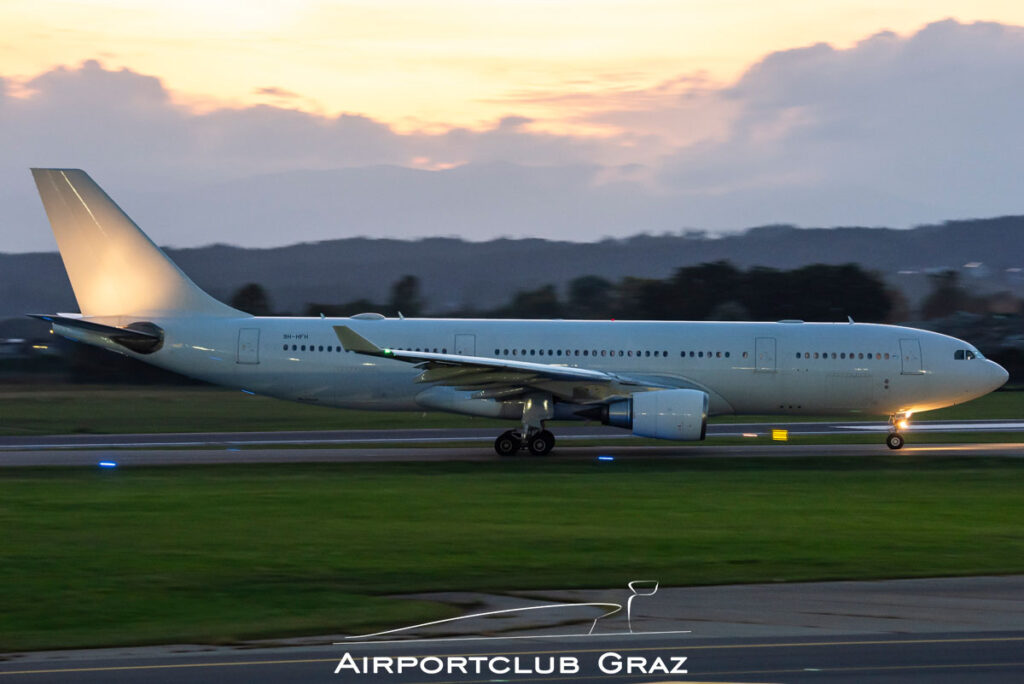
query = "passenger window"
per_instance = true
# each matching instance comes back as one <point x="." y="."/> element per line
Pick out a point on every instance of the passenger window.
<point x="664" y="353"/>
<point x="861" y="355"/>
<point x="869" y="355"/>
<point x="321" y="348"/>
<point x="700" y="354"/>
<point x="726" y="354"/>
<point x="513" y="352"/>
<point x="586" y="353"/>
<point x="294" y="347"/>
<point x="286" y="347"/>
<point x="807" y="355"/>
<point x="886" y="356"/>
<point x="303" y="347"/>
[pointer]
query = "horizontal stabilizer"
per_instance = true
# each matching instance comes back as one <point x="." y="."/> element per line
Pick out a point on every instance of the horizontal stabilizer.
<point x="142" y="337"/>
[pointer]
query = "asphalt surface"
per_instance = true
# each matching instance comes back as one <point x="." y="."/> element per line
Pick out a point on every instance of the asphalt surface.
<point x="413" y="445"/>
<point x="421" y="436"/>
<point x="128" y="457"/>
<point x="933" y="630"/>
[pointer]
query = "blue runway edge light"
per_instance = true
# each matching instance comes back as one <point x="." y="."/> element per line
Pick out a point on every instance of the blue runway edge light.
<point x="605" y="458"/>
<point x="107" y="464"/>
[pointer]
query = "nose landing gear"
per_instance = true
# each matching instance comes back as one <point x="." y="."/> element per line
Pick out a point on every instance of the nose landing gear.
<point x="894" y="440"/>
<point x="897" y="422"/>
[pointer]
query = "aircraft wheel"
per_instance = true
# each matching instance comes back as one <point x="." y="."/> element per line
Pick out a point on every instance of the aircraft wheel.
<point x="507" y="444"/>
<point x="894" y="440"/>
<point x="541" y="443"/>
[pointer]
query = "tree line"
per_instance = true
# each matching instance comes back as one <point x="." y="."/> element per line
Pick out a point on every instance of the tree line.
<point x="710" y="291"/>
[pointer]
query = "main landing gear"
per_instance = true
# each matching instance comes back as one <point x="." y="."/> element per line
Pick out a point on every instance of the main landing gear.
<point x="894" y="440"/>
<point x="539" y="443"/>
<point x="537" y="408"/>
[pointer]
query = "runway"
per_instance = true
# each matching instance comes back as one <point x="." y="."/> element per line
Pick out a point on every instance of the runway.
<point x="425" y="436"/>
<point x="422" y="445"/>
<point x="936" y="630"/>
<point x="127" y="457"/>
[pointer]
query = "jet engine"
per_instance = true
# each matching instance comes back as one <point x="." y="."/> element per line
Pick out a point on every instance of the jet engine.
<point x="680" y="414"/>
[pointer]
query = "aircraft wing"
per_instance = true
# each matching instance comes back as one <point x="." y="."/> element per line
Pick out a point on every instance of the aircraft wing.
<point x="501" y="378"/>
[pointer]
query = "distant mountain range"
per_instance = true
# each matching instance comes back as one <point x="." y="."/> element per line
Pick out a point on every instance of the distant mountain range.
<point x="457" y="274"/>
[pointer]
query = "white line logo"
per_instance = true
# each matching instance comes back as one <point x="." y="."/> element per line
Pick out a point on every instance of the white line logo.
<point x="637" y="588"/>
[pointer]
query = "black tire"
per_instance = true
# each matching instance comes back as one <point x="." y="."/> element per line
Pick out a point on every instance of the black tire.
<point x="507" y="444"/>
<point x="541" y="443"/>
<point x="894" y="440"/>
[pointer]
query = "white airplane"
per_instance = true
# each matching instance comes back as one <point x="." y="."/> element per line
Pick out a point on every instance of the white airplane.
<point x="659" y="379"/>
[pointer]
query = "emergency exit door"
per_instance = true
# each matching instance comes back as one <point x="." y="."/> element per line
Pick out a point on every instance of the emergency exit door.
<point x="465" y="345"/>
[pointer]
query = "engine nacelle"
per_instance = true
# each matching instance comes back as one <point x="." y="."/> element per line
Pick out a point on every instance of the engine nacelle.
<point x="680" y="414"/>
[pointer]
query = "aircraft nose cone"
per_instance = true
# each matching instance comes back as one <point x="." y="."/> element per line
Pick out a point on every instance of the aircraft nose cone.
<point x="998" y="374"/>
<point x="995" y="376"/>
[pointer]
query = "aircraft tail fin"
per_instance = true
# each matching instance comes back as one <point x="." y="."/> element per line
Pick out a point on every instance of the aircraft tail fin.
<point x="114" y="268"/>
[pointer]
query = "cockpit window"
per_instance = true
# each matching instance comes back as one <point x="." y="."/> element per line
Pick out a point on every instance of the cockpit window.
<point x="962" y="354"/>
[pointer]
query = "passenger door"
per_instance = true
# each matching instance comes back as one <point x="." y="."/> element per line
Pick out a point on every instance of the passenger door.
<point x="248" y="345"/>
<point x="764" y="354"/>
<point x="910" y="357"/>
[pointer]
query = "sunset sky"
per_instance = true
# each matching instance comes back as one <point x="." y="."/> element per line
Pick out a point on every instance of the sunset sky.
<point x="702" y="107"/>
<point x="416" y="64"/>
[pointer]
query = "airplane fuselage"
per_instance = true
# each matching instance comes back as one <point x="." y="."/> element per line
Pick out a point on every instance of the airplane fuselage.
<point x="745" y="368"/>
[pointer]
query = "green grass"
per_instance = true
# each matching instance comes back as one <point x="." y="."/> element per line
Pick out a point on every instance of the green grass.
<point x="221" y="553"/>
<point x="101" y="410"/>
<point x="118" y="410"/>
